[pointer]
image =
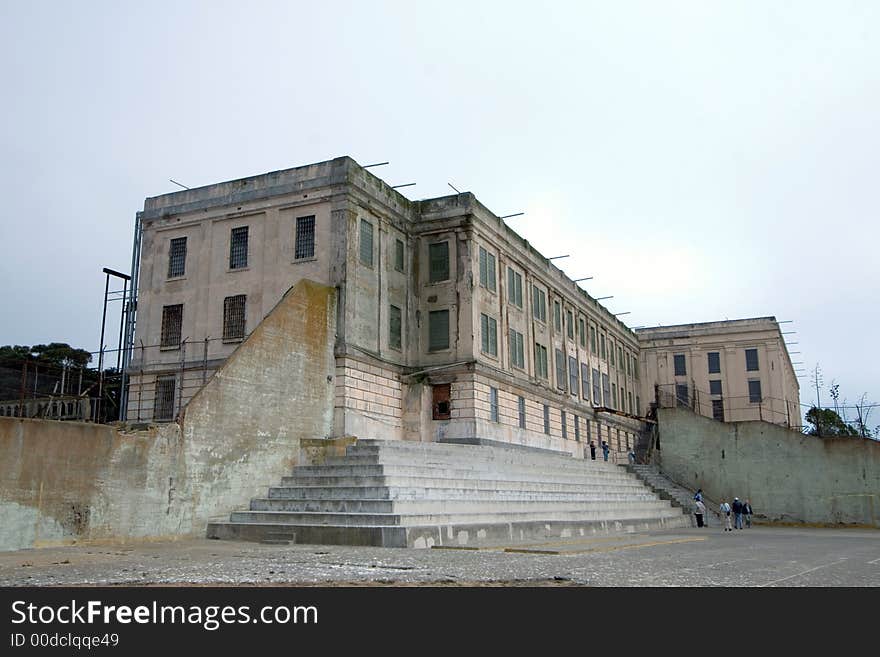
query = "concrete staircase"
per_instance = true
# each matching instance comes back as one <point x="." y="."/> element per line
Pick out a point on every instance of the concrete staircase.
<point x="668" y="490"/>
<point x="402" y="494"/>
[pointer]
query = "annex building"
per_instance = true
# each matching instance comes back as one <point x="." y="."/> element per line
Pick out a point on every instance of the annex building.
<point x="450" y="326"/>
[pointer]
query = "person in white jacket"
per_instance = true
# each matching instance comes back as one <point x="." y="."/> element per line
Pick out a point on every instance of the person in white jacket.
<point x="724" y="507"/>
<point x="700" y="512"/>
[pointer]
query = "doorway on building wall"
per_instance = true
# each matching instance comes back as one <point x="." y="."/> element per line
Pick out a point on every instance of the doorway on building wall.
<point x="441" y="404"/>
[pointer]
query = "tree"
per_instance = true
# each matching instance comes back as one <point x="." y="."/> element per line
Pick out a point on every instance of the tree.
<point x="828" y="423"/>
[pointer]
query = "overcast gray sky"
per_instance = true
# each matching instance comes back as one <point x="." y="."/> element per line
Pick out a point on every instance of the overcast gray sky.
<point x="702" y="160"/>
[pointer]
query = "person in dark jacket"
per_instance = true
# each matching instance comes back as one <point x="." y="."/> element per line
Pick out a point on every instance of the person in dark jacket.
<point x="747" y="512"/>
<point x="737" y="508"/>
<point x="605" y="450"/>
<point x="592" y="450"/>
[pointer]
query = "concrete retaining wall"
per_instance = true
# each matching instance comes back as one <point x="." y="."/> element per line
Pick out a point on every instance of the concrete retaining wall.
<point x="787" y="476"/>
<point x="63" y="482"/>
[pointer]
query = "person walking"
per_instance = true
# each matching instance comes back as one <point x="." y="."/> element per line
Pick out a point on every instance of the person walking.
<point x="605" y="450"/>
<point x="698" y="496"/>
<point x="592" y="450"/>
<point x="747" y="512"/>
<point x="700" y="512"/>
<point x="737" y="509"/>
<point x="724" y="507"/>
<point x="632" y="456"/>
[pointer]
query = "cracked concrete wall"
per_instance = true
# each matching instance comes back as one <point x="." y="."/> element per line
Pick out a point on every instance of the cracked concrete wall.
<point x="65" y="482"/>
<point x="787" y="476"/>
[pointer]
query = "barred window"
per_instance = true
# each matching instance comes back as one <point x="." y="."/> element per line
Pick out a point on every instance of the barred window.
<point x="718" y="410"/>
<point x="577" y="428"/>
<point x="238" y="248"/>
<point x="585" y="381"/>
<point x="573" y="375"/>
<point x="679" y="364"/>
<point x="366" y="243"/>
<point x="234" y="317"/>
<point x="715" y="387"/>
<point x="395" y="325"/>
<point x="438" y="330"/>
<point x="398" y="255"/>
<point x="489" y="334"/>
<point x="754" y="392"/>
<point x="714" y="362"/>
<point x="751" y="360"/>
<point x="517" y="357"/>
<point x="172" y="321"/>
<point x="487" y="269"/>
<point x="493" y="404"/>
<point x="438" y="262"/>
<point x="521" y="406"/>
<point x="682" y="395"/>
<point x="560" y="370"/>
<point x="546" y="419"/>
<point x="177" y="257"/>
<point x="305" y="238"/>
<point x="564" y="425"/>
<point x="540" y="360"/>
<point x="163" y="404"/>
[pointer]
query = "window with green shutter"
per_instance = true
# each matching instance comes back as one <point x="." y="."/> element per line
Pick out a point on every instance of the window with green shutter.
<point x="540" y="361"/>
<point x="438" y="330"/>
<point x="489" y="334"/>
<point x="560" y="369"/>
<point x="557" y="315"/>
<point x="514" y="288"/>
<point x="438" y="257"/>
<point x="487" y="269"/>
<point x="517" y="357"/>
<point x="572" y="375"/>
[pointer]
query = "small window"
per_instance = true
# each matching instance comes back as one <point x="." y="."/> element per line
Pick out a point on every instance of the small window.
<point x="557" y="315"/>
<point x="593" y="339"/>
<point x="163" y="404"/>
<point x="606" y="390"/>
<point x="682" y="395"/>
<point x="514" y="288"/>
<point x="613" y="395"/>
<point x="438" y="258"/>
<point x="487" y="270"/>
<point x="493" y="404"/>
<point x="718" y="409"/>
<point x="679" y="364"/>
<point x="629" y="402"/>
<point x="569" y="325"/>
<point x="611" y="352"/>
<point x="438" y="330"/>
<point x="715" y="387"/>
<point x="602" y="346"/>
<point x="714" y="362"/>
<point x="539" y="304"/>
<point x="597" y="388"/>
<point x="540" y="361"/>
<point x="628" y="362"/>
<point x="582" y="332"/>
<point x="395" y="327"/>
<point x="754" y="392"/>
<point x="238" y="248"/>
<point x="177" y="257"/>
<point x="560" y="369"/>
<point x="489" y="334"/>
<point x="751" y="360"/>
<point x="564" y="425"/>
<point x="442" y="404"/>
<point x="620" y="358"/>
<point x="577" y="428"/>
<point x="635" y="368"/>
<point x="517" y="356"/>
<point x="546" y="419"/>
<point x="305" y="238"/>
<point x="638" y="408"/>
<point x="521" y="406"/>
<point x="172" y="321"/>
<point x="399" y="255"/>
<point x="573" y="376"/>
<point x="366" y="243"/>
<point x="234" y="317"/>
<point x="585" y="381"/>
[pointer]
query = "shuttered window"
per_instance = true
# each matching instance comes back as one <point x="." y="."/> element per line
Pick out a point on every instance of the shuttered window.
<point x="593" y="339"/>
<point x="517" y="356"/>
<point x="557" y="315"/>
<point x="585" y="380"/>
<point x="489" y="334"/>
<point x="487" y="270"/>
<point x="582" y="332"/>
<point x="514" y="288"/>
<point x="399" y="255"/>
<point x="597" y="389"/>
<point x="606" y="390"/>
<point x="540" y="361"/>
<point x="539" y="304"/>
<point x="569" y="324"/>
<point x="751" y="360"/>
<point x="521" y="407"/>
<point x="438" y="257"/>
<point x="573" y="375"/>
<point x="546" y="419"/>
<point x="564" y="425"/>
<point x="560" y="370"/>
<point x="493" y="404"/>
<point x="438" y="330"/>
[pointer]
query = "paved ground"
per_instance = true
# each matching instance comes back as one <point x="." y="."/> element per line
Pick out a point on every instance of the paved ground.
<point x="761" y="556"/>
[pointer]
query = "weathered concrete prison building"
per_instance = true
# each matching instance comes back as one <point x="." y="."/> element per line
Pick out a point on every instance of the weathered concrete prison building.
<point x="450" y="326"/>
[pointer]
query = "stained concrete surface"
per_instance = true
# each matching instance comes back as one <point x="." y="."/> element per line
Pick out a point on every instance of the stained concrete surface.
<point x="761" y="556"/>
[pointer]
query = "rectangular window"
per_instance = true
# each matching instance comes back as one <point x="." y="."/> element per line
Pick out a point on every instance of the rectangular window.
<point x="629" y="402"/>
<point x="564" y="425"/>
<point x="438" y="262"/>
<point x="582" y="332"/>
<point x="560" y="370"/>
<point x="593" y="339"/>
<point x="493" y="404"/>
<point x="489" y="332"/>
<point x="539" y="304"/>
<point x="585" y="381"/>
<point x="395" y="327"/>
<point x="438" y="330"/>
<point x="514" y="288"/>
<point x="366" y="243"/>
<point x="399" y="255"/>
<point x="606" y="390"/>
<point x="715" y="387"/>
<point x="573" y="375"/>
<point x="682" y="397"/>
<point x="546" y="419"/>
<point x="613" y="395"/>
<point x="628" y="362"/>
<point x="714" y="362"/>
<point x="718" y="409"/>
<point x="635" y="368"/>
<point x="557" y="315"/>
<point x="751" y="360"/>
<point x="638" y="405"/>
<point x="163" y="404"/>
<point x="487" y="269"/>
<point x="754" y="392"/>
<point x="234" y="317"/>
<point x="679" y="364"/>
<point x="611" y="352"/>
<point x="577" y="428"/>
<point x="620" y="358"/>
<point x="238" y="248"/>
<point x="305" y="238"/>
<point x="597" y="389"/>
<point x="177" y="257"/>
<point x="602" y="346"/>
<point x="172" y="321"/>
<point x="521" y="406"/>
<point x="517" y="357"/>
<point x="569" y="325"/>
<point x="540" y="361"/>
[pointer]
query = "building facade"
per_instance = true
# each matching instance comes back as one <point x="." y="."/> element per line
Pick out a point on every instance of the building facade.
<point x="450" y="325"/>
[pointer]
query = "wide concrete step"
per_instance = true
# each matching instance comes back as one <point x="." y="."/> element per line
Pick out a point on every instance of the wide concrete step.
<point x="441" y="506"/>
<point x="455" y="454"/>
<point x="448" y="482"/>
<point x="492" y="490"/>
<point x="523" y="473"/>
